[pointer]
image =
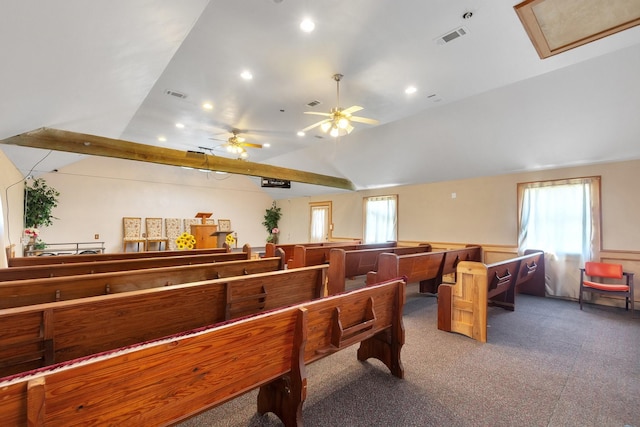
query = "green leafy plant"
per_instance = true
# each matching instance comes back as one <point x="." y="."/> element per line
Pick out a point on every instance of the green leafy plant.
<point x="39" y="245"/>
<point x="271" y="218"/>
<point x="39" y="201"/>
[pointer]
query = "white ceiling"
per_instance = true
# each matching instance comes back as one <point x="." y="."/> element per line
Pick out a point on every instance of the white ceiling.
<point x="485" y="104"/>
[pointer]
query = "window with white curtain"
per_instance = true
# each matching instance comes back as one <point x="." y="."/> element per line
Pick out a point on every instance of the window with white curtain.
<point x="319" y="230"/>
<point x="562" y="218"/>
<point x="380" y="219"/>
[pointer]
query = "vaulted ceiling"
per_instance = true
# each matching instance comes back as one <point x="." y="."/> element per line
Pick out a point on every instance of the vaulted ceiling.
<point x="484" y="104"/>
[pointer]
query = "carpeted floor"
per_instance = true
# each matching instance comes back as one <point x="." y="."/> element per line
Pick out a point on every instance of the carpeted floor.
<point x="545" y="364"/>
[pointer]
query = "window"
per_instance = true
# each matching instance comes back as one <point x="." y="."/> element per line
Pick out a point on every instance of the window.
<point x="562" y="218"/>
<point x="380" y="219"/>
<point x="320" y="229"/>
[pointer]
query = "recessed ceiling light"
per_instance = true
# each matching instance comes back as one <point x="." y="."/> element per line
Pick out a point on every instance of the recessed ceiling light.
<point x="162" y="139"/>
<point x="179" y="125"/>
<point x="300" y="133"/>
<point x="207" y="106"/>
<point x="410" y="89"/>
<point x="267" y="145"/>
<point x="307" y="25"/>
<point x="246" y="75"/>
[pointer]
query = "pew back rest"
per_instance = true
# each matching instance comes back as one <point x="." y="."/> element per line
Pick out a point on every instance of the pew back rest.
<point x="131" y="387"/>
<point x="453" y="257"/>
<point x="56" y="332"/>
<point x="38" y="291"/>
<point x="74" y="269"/>
<point x="305" y="256"/>
<point x="415" y="267"/>
<point x="345" y="264"/>
<point x="69" y="259"/>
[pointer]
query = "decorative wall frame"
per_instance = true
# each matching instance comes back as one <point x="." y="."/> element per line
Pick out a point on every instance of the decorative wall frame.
<point x="224" y="225"/>
<point x="555" y="26"/>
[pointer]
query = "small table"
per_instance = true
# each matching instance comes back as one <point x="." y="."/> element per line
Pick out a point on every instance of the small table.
<point x="221" y="237"/>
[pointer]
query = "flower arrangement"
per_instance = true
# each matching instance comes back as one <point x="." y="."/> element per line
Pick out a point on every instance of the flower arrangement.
<point x="31" y="232"/>
<point x="230" y="239"/>
<point x="185" y="241"/>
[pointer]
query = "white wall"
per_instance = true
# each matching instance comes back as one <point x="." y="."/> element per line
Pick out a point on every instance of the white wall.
<point x="11" y="209"/>
<point x="484" y="210"/>
<point x="96" y="193"/>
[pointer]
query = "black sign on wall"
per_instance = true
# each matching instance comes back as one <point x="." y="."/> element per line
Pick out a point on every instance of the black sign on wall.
<point x="276" y="183"/>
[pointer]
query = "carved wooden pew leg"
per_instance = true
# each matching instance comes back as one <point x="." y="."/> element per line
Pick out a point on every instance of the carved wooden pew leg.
<point x="387" y="345"/>
<point x="285" y="395"/>
<point x="445" y="300"/>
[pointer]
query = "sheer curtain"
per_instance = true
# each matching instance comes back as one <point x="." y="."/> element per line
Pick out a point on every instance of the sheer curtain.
<point x="318" y="224"/>
<point x="381" y="219"/>
<point x="562" y="218"/>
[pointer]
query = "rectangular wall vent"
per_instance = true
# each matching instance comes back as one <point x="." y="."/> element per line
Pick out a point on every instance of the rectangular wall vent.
<point x="451" y="36"/>
<point x="175" y="93"/>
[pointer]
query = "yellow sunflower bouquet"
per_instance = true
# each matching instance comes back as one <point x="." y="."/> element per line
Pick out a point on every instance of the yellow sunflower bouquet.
<point x="230" y="239"/>
<point x="186" y="241"/>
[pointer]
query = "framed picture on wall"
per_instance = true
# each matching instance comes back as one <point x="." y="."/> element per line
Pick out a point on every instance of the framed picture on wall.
<point x="224" y="225"/>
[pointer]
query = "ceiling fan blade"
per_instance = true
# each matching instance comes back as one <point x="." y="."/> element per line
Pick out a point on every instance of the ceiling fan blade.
<point x="363" y="120"/>
<point x="316" y="125"/>
<point x="317" y="113"/>
<point x="248" y="144"/>
<point x="352" y="109"/>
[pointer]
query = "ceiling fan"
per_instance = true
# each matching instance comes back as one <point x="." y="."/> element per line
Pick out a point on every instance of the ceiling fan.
<point x="338" y="121"/>
<point x="236" y="144"/>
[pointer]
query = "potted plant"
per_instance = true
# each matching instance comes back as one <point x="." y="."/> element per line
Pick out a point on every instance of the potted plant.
<point x="39" y="201"/>
<point x="271" y="218"/>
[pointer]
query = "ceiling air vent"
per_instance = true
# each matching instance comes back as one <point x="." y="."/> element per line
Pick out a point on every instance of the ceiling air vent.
<point x="313" y="103"/>
<point x="175" y="93"/>
<point x="451" y="35"/>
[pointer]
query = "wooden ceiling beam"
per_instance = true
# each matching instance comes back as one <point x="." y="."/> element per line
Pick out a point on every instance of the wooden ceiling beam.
<point x="73" y="142"/>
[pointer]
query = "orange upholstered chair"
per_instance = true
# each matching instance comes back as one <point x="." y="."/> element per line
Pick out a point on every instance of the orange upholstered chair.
<point x="606" y="279"/>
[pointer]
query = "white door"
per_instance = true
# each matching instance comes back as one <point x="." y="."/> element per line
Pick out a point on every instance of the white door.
<point x="319" y="230"/>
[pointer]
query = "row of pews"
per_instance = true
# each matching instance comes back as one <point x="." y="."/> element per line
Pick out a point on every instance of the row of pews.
<point x="59" y="324"/>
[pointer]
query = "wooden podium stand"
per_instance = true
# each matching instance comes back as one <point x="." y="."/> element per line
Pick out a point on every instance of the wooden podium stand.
<point x="205" y="235"/>
<point x="221" y="237"/>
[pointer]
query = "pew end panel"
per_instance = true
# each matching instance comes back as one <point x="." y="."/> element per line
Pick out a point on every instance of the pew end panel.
<point x="462" y="307"/>
<point x="371" y="316"/>
<point x="531" y="279"/>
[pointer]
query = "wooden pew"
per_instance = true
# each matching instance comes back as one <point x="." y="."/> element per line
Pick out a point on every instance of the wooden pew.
<point x="270" y="248"/>
<point x="345" y="264"/>
<point x="305" y="256"/>
<point x="462" y="307"/>
<point x="44" y="334"/>
<point x="451" y="260"/>
<point x="37" y="291"/>
<point x="427" y="269"/>
<point x="67" y="259"/>
<point x="73" y="269"/>
<point x="164" y="381"/>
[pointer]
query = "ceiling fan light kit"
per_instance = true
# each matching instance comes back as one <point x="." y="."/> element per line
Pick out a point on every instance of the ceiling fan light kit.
<point x="339" y="120"/>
